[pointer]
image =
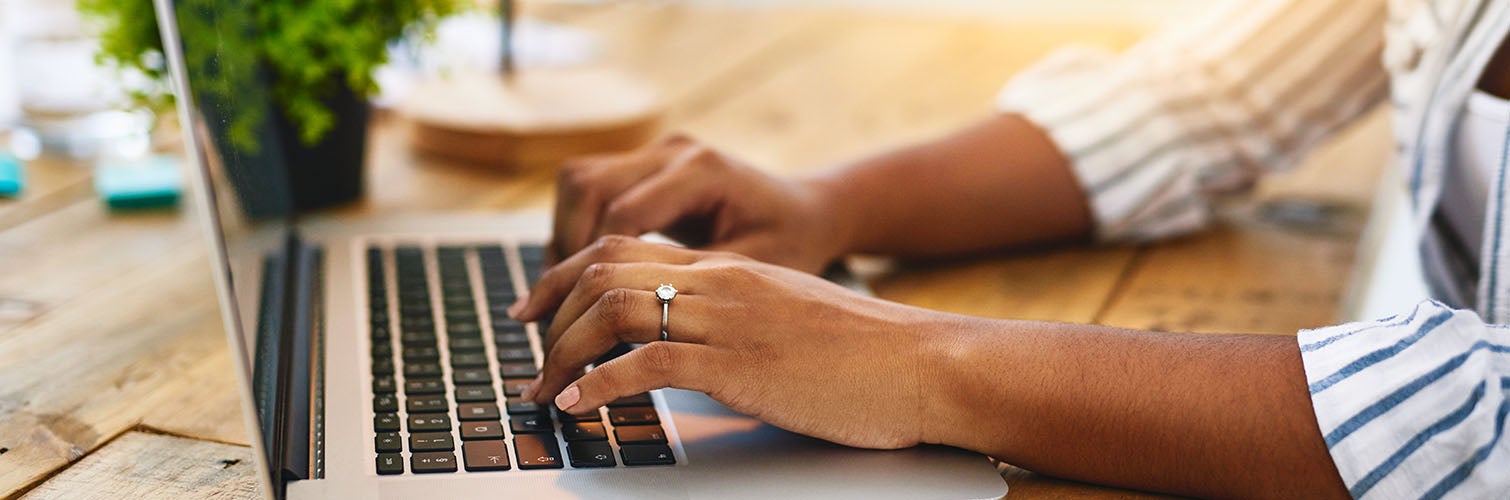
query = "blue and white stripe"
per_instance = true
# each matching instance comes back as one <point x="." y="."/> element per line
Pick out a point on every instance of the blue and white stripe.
<point x="1410" y="406"/>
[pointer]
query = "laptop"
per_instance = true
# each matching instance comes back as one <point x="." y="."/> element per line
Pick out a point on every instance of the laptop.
<point x="374" y="360"/>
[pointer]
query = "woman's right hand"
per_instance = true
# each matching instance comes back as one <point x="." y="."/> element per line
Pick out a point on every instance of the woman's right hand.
<point x="700" y="197"/>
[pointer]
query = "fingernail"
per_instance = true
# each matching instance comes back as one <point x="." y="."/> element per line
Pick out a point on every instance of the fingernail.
<point x="529" y="391"/>
<point x="568" y="398"/>
<point x="518" y="306"/>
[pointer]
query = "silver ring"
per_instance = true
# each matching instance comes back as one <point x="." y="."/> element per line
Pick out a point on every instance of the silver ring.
<point x="665" y="292"/>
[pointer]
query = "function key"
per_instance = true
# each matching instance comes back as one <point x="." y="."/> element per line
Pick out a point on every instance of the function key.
<point x="537" y="451"/>
<point x="390" y="463"/>
<point x="486" y="455"/>
<point x="590" y="454"/>
<point x="434" y="461"/>
<point x="632" y="416"/>
<point x="647" y="454"/>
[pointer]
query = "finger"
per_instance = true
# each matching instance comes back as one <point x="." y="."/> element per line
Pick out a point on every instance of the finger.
<point x="691" y="184"/>
<point x="557" y="281"/>
<point x="620" y="315"/>
<point x="585" y="186"/>
<point x="598" y="279"/>
<point x="652" y="366"/>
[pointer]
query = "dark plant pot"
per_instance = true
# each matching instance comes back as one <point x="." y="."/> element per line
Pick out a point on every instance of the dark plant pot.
<point x="329" y="172"/>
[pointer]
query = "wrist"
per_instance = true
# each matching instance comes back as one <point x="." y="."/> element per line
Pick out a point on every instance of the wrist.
<point x="942" y="391"/>
<point x="834" y="215"/>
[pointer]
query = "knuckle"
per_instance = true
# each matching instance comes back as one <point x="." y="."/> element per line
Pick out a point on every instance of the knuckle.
<point x="614" y="307"/>
<point x="659" y="358"/>
<point x="678" y="138"/>
<point x="596" y="275"/>
<point x="612" y="245"/>
<point x="576" y="175"/>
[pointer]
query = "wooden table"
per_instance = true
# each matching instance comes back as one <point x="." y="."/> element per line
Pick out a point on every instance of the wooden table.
<point x="115" y="380"/>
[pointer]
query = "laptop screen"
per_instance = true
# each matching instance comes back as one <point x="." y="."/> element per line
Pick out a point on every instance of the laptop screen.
<point x="230" y="124"/>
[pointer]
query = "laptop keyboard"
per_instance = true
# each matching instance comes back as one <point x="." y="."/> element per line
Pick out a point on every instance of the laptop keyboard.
<point x="448" y="365"/>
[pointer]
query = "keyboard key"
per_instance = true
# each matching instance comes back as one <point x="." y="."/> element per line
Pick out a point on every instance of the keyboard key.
<point x="518" y="370"/>
<point x="513" y="387"/>
<point x="382" y="350"/>
<point x="477" y="411"/>
<point x="590" y="454"/>
<point x="481" y="430"/>
<point x="418" y="339"/>
<point x="421" y="370"/>
<point x="529" y="424"/>
<point x="584" y="431"/>
<point x="385" y="422"/>
<point x="418" y="354"/>
<point x="388" y="442"/>
<point x="516" y="406"/>
<point x="435" y="461"/>
<point x="639" y="434"/>
<point x="429" y="386"/>
<point x="537" y="451"/>
<point x="632" y="416"/>
<point x="511" y="339"/>
<point x="431" y="441"/>
<point x="382" y="367"/>
<point x="466" y="344"/>
<point x="383" y="385"/>
<point x="463" y="326"/>
<point x="429" y="422"/>
<point x="641" y="399"/>
<point x="427" y="404"/>
<point x="590" y="417"/>
<point x="390" y="463"/>
<point x="474" y="394"/>
<point x="469" y="360"/>
<point x="385" y="404"/>
<point x="508" y="354"/>
<point x="471" y="376"/>
<point x="486" y="455"/>
<point x="647" y="454"/>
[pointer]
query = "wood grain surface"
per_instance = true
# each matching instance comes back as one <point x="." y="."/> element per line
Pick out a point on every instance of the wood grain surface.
<point x="114" y="377"/>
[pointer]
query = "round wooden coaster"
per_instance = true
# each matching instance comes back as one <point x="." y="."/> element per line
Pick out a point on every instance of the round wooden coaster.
<point x="534" y="119"/>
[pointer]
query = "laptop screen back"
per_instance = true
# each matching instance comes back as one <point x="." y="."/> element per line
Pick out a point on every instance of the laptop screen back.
<point x="227" y="113"/>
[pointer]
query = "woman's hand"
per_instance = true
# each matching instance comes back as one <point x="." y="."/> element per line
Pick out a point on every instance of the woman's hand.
<point x="699" y="197"/>
<point x="786" y="347"/>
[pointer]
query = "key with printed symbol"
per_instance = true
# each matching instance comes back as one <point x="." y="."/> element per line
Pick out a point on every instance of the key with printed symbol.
<point x="517" y="370"/>
<point x="537" y="451"/>
<point x="385" y="404"/>
<point x="641" y="399"/>
<point x="427" y="404"/>
<point x="433" y="461"/>
<point x="472" y="431"/>
<point x="469" y="360"/>
<point x="584" y="431"/>
<point x="429" y="422"/>
<point x="514" y="386"/>
<point x="421" y="387"/>
<point x="515" y="354"/>
<point x="388" y="442"/>
<point x="471" y="376"/>
<point x="474" y="394"/>
<point x="517" y="406"/>
<point x="646" y="454"/>
<point x="526" y="424"/>
<point x="639" y="434"/>
<point x="390" y="463"/>
<point x="477" y="411"/>
<point x="385" y="422"/>
<point x="485" y="455"/>
<point x="590" y="454"/>
<point x="635" y="415"/>
<point x="431" y="441"/>
<point x="383" y="385"/>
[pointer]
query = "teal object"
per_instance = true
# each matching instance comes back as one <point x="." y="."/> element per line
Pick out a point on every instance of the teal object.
<point x="11" y="180"/>
<point x="148" y="183"/>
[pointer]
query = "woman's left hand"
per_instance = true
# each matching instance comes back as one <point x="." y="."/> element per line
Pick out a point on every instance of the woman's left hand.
<point x="783" y="346"/>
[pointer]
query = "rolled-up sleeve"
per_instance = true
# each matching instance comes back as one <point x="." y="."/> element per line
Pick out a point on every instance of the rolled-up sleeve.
<point x="1414" y="405"/>
<point x="1204" y="107"/>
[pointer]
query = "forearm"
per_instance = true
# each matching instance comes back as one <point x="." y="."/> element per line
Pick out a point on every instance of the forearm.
<point x="998" y="183"/>
<point x="1204" y="415"/>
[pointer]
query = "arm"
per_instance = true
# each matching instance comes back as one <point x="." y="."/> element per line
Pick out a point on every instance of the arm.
<point x="1200" y="415"/>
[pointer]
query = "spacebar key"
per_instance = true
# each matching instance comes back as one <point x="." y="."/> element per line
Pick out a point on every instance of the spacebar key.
<point x="537" y="451"/>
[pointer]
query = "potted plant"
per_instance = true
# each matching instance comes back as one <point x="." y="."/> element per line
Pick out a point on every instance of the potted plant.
<point x="298" y="71"/>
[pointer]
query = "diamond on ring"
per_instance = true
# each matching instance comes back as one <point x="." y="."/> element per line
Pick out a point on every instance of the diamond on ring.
<point x="665" y="292"/>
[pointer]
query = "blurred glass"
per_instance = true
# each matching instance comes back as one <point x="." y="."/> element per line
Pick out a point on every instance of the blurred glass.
<point x="69" y="104"/>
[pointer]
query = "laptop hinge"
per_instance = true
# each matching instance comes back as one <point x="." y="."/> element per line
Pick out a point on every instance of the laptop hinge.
<point x="298" y="326"/>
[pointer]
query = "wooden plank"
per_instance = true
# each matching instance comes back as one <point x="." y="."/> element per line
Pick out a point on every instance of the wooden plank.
<point x="1247" y="275"/>
<point x="1060" y="284"/>
<point x="51" y="184"/>
<point x="144" y="466"/>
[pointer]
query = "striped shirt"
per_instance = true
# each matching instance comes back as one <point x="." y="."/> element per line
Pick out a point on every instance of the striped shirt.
<point x="1410" y="406"/>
